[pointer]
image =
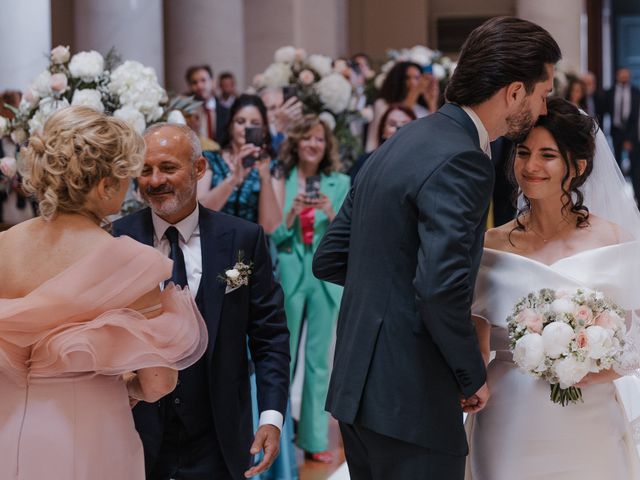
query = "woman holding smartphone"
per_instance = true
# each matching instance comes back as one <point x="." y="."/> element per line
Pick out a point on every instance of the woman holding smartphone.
<point x="313" y="195"/>
<point x="244" y="179"/>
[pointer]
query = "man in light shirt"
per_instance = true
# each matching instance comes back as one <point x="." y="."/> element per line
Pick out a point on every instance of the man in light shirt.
<point x="203" y="429"/>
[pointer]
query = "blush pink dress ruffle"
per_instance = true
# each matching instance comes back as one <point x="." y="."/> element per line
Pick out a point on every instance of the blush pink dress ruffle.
<point x="64" y="410"/>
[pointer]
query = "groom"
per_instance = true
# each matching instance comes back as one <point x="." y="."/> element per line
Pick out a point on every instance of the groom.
<point x="407" y="245"/>
<point x="204" y="428"/>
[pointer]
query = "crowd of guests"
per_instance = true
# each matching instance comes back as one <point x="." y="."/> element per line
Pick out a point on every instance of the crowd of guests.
<point x="271" y="164"/>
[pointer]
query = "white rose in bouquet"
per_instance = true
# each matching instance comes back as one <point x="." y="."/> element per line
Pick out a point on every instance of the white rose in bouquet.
<point x="58" y="82"/>
<point x="87" y="65"/>
<point x="529" y="352"/>
<point x="421" y="55"/>
<point x="556" y="337"/>
<point x="30" y="99"/>
<point x="285" y="55"/>
<point x="320" y="64"/>
<point x="60" y="55"/>
<point x="570" y="371"/>
<point x="562" y="305"/>
<point x="36" y="123"/>
<point x="133" y="117"/>
<point x="276" y="75"/>
<point x="335" y="92"/>
<point x="88" y="97"/>
<point x="8" y="167"/>
<point x="599" y="342"/>
<point x="42" y="84"/>
<point x="232" y="274"/>
<point x="137" y="86"/>
<point x="328" y="119"/>
<point x="4" y="126"/>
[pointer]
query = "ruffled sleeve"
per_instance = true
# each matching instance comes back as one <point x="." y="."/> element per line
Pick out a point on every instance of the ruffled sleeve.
<point x="79" y="321"/>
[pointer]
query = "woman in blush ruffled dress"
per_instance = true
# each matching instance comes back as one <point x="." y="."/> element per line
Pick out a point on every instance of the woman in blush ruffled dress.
<point x="576" y="229"/>
<point x="83" y="311"/>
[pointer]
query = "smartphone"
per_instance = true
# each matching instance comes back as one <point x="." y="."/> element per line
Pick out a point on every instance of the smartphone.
<point x="427" y="69"/>
<point x="249" y="160"/>
<point x="289" y="91"/>
<point x="254" y="135"/>
<point x="312" y="187"/>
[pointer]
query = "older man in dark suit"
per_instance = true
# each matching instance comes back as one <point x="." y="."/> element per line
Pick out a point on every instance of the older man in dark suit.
<point x="204" y="428"/>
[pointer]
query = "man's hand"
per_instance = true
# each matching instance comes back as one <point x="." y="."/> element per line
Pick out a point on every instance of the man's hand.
<point x="477" y="401"/>
<point x="267" y="439"/>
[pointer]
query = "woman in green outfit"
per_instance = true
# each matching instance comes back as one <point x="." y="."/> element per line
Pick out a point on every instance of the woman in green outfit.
<point x="314" y="192"/>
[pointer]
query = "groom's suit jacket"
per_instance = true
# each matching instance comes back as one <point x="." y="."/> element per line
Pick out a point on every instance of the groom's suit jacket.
<point x="406" y="245"/>
<point x="254" y="312"/>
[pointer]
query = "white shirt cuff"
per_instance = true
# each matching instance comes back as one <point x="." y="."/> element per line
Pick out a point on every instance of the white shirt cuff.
<point x="271" y="417"/>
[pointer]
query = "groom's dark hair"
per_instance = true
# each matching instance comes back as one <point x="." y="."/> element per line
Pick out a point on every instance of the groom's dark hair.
<point x="501" y="51"/>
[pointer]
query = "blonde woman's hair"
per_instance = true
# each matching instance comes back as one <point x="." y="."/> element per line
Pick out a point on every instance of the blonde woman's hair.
<point x="289" y="151"/>
<point x="77" y="148"/>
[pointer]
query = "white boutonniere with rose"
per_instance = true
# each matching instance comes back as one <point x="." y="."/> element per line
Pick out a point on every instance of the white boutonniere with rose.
<point x="238" y="275"/>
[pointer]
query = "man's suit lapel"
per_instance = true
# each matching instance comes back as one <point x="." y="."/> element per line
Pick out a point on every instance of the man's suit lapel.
<point x="217" y="244"/>
<point x="141" y="228"/>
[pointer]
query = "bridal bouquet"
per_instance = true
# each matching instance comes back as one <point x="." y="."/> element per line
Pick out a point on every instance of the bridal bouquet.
<point x="562" y="336"/>
<point x="322" y="88"/>
<point x="126" y="90"/>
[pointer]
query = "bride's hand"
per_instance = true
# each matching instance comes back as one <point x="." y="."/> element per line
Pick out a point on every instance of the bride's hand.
<point x="604" y="376"/>
<point x="477" y="401"/>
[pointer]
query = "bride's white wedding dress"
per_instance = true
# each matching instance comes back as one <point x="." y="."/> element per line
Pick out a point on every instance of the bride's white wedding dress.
<point x="522" y="434"/>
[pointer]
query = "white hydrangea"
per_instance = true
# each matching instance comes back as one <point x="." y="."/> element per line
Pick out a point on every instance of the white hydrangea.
<point x="321" y="64"/>
<point x="88" y="97"/>
<point x="334" y="92"/>
<point x="421" y="55"/>
<point x="285" y="55"/>
<point x="137" y="86"/>
<point x="276" y="75"/>
<point x="87" y="65"/>
<point x="133" y="117"/>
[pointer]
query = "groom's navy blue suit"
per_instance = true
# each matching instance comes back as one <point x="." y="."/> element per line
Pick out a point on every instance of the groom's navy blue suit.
<point x="211" y="406"/>
<point x="406" y="245"/>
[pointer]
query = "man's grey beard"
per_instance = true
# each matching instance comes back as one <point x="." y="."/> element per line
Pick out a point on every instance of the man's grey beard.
<point x="172" y="205"/>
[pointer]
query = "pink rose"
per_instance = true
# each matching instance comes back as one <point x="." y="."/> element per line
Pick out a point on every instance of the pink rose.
<point x="300" y="54"/>
<point x="58" y="82"/>
<point x="532" y="320"/>
<point x="306" y="77"/>
<point x="60" y="54"/>
<point x="32" y="97"/>
<point x="8" y="167"/>
<point x="583" y="315"/>
<point x="582" y="339"/>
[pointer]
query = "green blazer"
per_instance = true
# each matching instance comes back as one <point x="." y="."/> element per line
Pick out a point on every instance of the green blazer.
<point x="289" y="241"/>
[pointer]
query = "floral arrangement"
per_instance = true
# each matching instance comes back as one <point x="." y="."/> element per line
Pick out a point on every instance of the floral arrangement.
<point x="322" y="88"/>
<point x="238" y="275"/>
<point x="126" y="90"/>
<point x="562" y="336"/>
<point x="441" y="66"/>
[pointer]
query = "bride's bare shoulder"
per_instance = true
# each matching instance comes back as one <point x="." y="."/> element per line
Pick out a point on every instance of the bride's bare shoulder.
<point x="500" y="238"/>
<point x="607" y="232"/>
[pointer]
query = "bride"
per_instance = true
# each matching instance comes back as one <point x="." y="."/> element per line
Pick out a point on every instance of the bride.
<point x="576" y="228"/>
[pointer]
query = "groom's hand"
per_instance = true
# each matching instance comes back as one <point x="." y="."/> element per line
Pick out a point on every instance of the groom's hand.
<point x="267" y="439"/>
<point x="477" y="401"/>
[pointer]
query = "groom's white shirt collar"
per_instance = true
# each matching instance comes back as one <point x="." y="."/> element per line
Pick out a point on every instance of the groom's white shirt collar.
<point x="186" y="226"/>
<point x="483" y="135"/>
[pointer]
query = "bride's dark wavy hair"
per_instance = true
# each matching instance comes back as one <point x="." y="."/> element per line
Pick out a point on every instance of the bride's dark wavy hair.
<point x="574" y="134"/>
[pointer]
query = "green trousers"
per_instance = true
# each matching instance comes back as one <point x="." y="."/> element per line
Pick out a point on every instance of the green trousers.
<point x="310" y="302"/>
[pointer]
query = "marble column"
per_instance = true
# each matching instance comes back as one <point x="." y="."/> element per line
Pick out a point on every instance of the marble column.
<point x="25" y="42"/>
<point x="204" y="32"/>
<point x="564" y="21"/>
<point x="133" y="27"/>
